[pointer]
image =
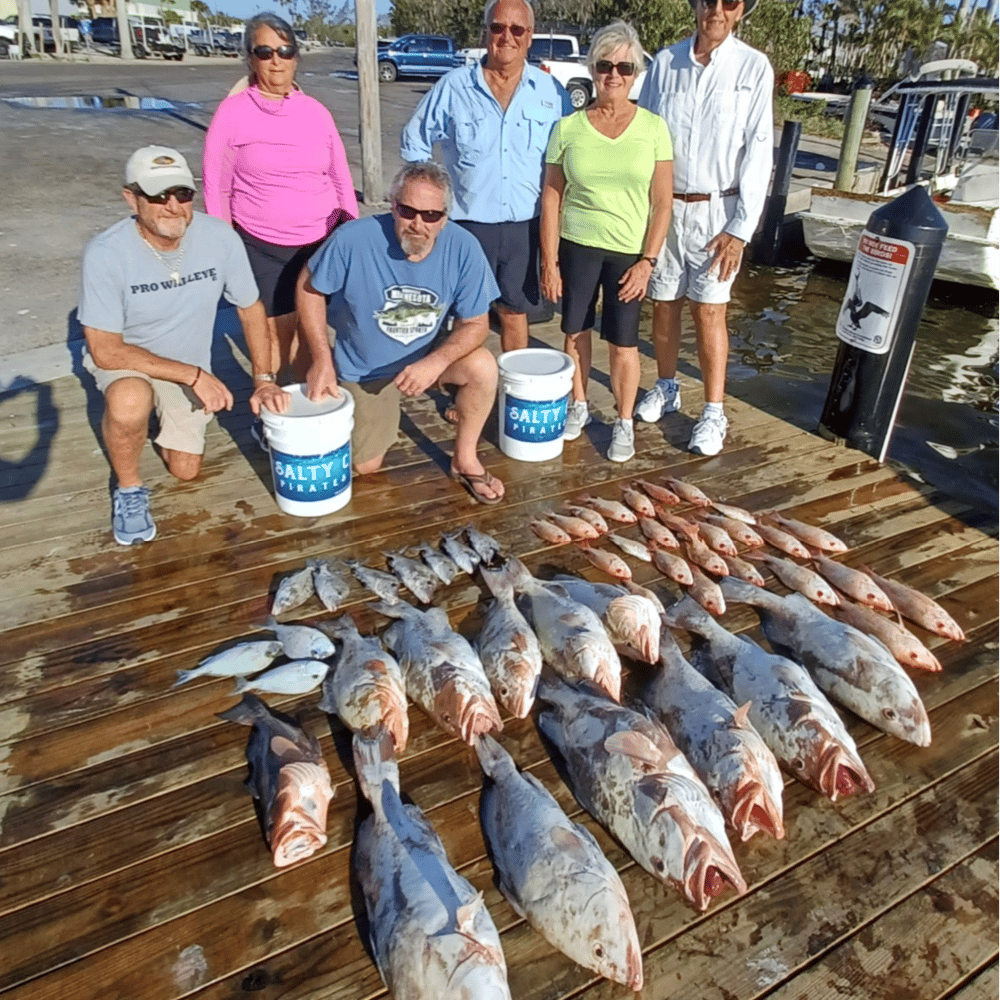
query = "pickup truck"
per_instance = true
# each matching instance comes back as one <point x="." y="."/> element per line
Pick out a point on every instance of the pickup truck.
<point x="416" y="55"/>
<point x="149" y="37"/>
<point x="576" y="78"/>
<point x="542" y="47"/>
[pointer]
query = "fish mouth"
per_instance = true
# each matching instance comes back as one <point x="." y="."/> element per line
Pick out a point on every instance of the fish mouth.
<point x="393" y="711"/>
<point x="754" y="810"/>
<point x="839" y="775"/>
<point x="610" y="680"/>
<point x="707" y="872"/>
<point x="480" y="717"/>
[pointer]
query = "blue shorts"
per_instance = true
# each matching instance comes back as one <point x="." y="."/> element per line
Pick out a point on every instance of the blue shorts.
<point x="512" y="251"/>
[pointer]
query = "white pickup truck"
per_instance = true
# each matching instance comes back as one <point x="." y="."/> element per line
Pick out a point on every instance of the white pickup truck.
<point x="575" y="77"/>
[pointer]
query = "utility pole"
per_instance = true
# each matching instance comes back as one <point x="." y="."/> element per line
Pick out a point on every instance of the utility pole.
<point x="369" y="115"/>
<point x="24" y="27"/>
<point x="124" y="31"/>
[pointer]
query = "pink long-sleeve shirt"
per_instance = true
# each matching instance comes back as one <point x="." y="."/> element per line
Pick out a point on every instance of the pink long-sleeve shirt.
<point x="277" y="168"/>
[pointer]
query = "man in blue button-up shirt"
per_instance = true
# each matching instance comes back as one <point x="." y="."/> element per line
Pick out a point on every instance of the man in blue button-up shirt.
<point x="493" y="122"/>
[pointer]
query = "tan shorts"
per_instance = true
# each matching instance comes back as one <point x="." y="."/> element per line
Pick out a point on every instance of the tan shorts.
<point x="376" y="418"/>
<point x="181" y="416"/>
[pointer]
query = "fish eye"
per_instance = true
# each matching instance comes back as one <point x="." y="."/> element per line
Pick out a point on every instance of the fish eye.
<point x="446" y="716"/>
<point x="599" y="950"/>
<point x="503" y="691"/>
<point x="889" y="713"/>
<point x="798" y="764"/>
<point x="659" y="865"/>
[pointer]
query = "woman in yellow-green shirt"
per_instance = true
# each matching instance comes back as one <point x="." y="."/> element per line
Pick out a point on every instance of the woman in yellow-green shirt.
<point x="605" y="212"/>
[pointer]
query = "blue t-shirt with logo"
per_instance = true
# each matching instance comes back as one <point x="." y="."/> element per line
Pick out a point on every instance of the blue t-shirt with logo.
<point x="387" y="310"/>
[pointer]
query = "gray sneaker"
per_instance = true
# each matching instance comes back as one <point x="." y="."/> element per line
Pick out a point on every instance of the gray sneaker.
<point x="622" y="441"/>
<point x="130" y="520"/>
<point x="664" y="397"/>
<point x="708" y="435"/>
<point x="577" y="417"/>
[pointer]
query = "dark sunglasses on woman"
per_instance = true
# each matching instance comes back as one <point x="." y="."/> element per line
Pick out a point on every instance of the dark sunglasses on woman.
<point x="429" y="215"/>
<point x="182" y="194"/>
<point x="727" y="5"/>
<point x="264" y="52"/>
<point x="606" y="66"/>
<point x="517" y="30"/>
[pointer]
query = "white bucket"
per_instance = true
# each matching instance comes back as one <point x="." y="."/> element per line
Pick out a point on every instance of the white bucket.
<point x="311" y="452"/>
<point x="534" y="389"/>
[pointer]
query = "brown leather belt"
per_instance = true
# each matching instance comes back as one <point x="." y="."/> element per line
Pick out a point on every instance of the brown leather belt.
<point x="705" y="197"/>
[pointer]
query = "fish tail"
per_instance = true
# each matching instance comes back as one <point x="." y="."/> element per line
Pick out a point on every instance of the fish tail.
<point x="250" y="710"/>
<point x="507" y="577"/>
<point x="391" y="609"/>
<point x="493" y="759"/>
<point x="742" y="592"/>
<point x="687" y="613"/>
<point x="183" y="676"/>
<point x="375" y="762"/>
<point x="270" y="623"/>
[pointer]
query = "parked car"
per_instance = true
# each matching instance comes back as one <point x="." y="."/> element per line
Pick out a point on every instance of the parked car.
<point x="563" y="47"/>
<point x="216" y="42"/>
<point x="416" y="55"/>
<point x="8" y="34"/>
<point x="149" y="37"/>
<point x="69" y="26"/>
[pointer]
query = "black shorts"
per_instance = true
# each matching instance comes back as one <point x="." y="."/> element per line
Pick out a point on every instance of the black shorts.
<point x="586" y="271"/>
<point x="276" y="270"/>
<point x="512" y="251"/>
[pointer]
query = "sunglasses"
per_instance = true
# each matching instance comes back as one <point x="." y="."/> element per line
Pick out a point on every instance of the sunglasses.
<point x="264" y="52"/>
<point x="516" y="30"/>
<point x="606" y="66"/>
<point x="182" y="194"/>
<point x="428" y="215"/>
<point x="727" y="5"/>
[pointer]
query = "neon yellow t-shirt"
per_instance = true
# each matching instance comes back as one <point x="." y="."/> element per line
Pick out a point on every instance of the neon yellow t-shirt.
<point x="606" y="198"/>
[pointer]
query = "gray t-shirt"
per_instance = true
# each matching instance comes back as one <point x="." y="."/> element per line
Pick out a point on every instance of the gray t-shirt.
<point x="126" y="289"/>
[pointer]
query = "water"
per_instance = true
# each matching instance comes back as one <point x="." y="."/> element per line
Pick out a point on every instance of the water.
<point x="783" y="347"/>
<point x="92" y="102"/>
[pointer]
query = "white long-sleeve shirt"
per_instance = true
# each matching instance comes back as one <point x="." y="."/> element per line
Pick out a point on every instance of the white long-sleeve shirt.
<point x="721" y="121"/>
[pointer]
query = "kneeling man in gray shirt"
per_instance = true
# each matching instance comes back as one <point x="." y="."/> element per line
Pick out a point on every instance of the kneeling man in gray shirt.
<point x="151" y="287"/>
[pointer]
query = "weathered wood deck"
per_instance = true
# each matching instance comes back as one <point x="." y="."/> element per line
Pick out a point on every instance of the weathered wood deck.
<point x="132" y="865"/>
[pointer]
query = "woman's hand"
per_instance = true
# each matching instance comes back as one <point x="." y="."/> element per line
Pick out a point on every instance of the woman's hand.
<point x="552" y="282"/>
<point x="634" y="281"/>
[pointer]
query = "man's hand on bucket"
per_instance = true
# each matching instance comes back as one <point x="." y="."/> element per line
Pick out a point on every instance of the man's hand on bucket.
<point x="268" y="395"/>
<point x="321" y="381"/>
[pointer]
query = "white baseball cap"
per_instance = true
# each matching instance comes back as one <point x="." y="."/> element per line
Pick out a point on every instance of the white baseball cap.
<point x="156" y="168"/>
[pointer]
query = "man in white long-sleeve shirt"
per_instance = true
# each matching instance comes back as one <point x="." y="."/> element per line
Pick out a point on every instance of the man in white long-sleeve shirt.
<point x="715" y="93"/>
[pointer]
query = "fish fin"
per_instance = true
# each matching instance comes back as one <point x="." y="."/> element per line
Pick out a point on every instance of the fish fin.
<point x="741" y="717"/>
<point x="250" y="710"/>
<point x="465" y="915"/>
<point x="285" y="749"/>
<point x="570" y="842"/>
<point x="638" y="748"/>
<point x="270" y="623"/>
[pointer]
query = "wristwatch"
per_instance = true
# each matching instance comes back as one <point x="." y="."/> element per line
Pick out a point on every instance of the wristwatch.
<point x="266" y="377"/>
<point x="652" y="262"/>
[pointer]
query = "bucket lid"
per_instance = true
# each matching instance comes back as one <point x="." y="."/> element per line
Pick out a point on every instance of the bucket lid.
<point x="535" y="361"/>
<point x="300" y="405"/>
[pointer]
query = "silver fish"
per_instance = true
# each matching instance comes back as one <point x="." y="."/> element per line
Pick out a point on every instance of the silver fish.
<point x="786" y="707"/>
<point x="743" y="570"/>
<point x="631" y="620"/>
<point x="799" y="578"/>
<point x="572" y="639"/>
<point x="413" y="575"/>
<point x="737" y="513"/>
<point x="385" y="585"/>
<point x="464" y="556"/>
<point x="613" y="509"/>
<point x="510" y="654"/>
<point x="294" y="677"/>
<point x="431" y="934"/>
<point x="237" y="661"/>
<point x="293" y="591"/>
<point x="638" y="501"/>
<point x="781" y="540"/>
<point x="720" y="743"/>
<point x="717" y="538"/>
<point x="302" y="642"/>
<point x="903" y="644"/>
<point x="631" y="546"/>
<point x="853" y="582"/>
<point x="443" y="567"/>
<point x="736" y="529"/>
<point x="330" y="581"/>
<point x="553" y="873"/>
<point x="688" y="492"/>
<point x="289" y="778"/>
<point x="442" y="672"/>
<point x="851" y="667"/>
<point x="590" y="515"/>
<point x="919" y="607"/>
<point x="366" y="687"/>
<point x="706" y="592"/>
<point x="818" y="538"/>
<point x="626" y="771"/>
<point x="486" y="546"/>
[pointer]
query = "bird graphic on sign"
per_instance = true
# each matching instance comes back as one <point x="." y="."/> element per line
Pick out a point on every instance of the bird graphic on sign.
<point x="857" y="308"/>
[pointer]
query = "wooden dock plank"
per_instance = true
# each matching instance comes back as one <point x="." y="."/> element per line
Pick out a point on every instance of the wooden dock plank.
<point x="984" y="985"/>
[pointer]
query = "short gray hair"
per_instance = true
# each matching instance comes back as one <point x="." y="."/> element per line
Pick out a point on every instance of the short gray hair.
<point x="491" y="6"/>
<point x="611" y="37"/>
<point x="277" y="24"/>
<point x="423" y="170"/>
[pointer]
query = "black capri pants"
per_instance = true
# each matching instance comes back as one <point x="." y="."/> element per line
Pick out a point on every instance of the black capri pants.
<point x="585" y="272"/>
<point x="276" y="270"/>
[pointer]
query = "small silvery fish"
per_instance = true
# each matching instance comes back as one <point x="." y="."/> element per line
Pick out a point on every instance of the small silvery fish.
<point x="301" y="642"/>
<point x="413" y="575"/>
<point x="385" y="585"/>
<point x="486" y="546"/>
<point x="293" y="591"/>
<point x="443" y="567"/>
<point x="330" y="581"/>
<point x="737" y="513"/>
<point x="554" y="874"/>
<point x="464" y="556"/>
<point x="237" y="661"/>
<point x="631" y="546"/>
<point x="289" y="778"/>
<point x="294" y="677"/>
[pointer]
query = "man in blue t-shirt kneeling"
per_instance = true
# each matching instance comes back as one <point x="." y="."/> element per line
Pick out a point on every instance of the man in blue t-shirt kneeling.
<point x="384" y="286"/>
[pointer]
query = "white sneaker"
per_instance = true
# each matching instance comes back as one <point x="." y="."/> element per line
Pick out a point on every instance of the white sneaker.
<point x="622" y="441"/>
<point x="577" y="417"/>
<point x="708" y="434"/>
<point x="664" y="397"/>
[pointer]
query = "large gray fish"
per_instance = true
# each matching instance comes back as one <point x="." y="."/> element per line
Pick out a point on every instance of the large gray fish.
<point x="237" y="661"/>
<point x="464" y="556"/>
<point x="442" y="672"/>
<point x="430" y="931"/>
<point x="720" y="743"/>
<point x="572" y="639"/>
<point x="850" y="666"/>
<point x="301" y="642"/>
<point x="631" y="620"/>
<point x="786" y="707"/>
<point x="293" y="591"/>
<point x="510" y="654"/>
<point x="288" y="776"/>
<point x="919" y="607"/>
<point x="366" y="686"/>
<point x="443" y="567"/>
<point x="414" y="575"/>
<point x="385" y="585"/>
<point x="626" y="771"/>
<point x="486" y="546"/>
<point x="330" y="581"/>
<point x="554" y="874"/>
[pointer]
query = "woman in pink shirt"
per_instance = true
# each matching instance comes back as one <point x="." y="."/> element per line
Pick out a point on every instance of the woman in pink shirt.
<point x="275" y="168"/>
